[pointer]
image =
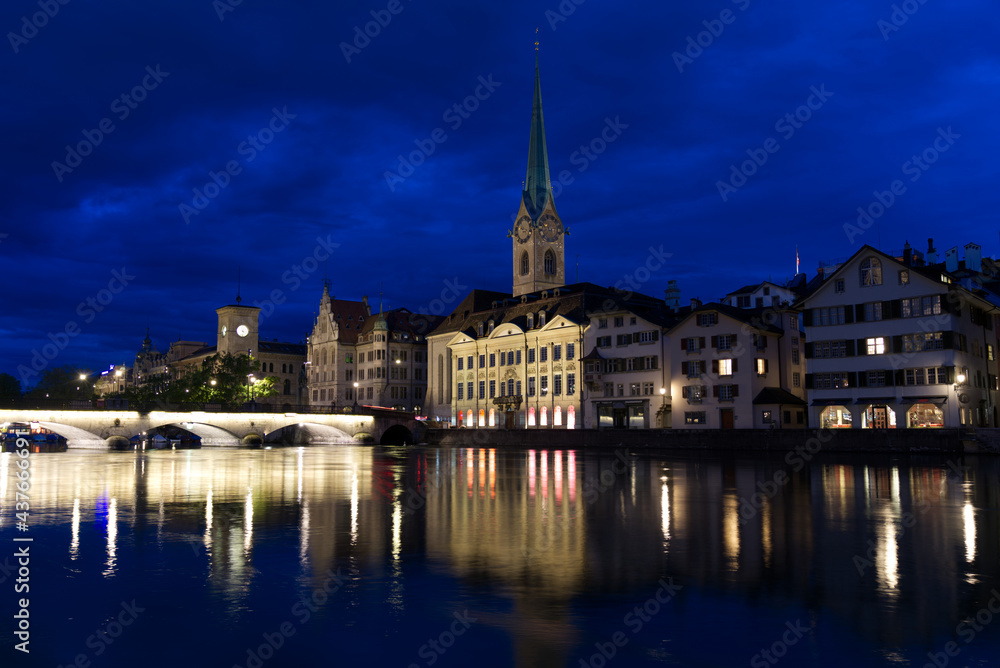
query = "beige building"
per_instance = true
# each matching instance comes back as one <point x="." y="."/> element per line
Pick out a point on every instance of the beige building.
<point x="737" y="368"/>
<point x="356" y="358"/>
<point x="238" y="333"/>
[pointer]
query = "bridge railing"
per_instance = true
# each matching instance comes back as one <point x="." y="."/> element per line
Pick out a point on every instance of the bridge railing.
<point x="186" y="407"/>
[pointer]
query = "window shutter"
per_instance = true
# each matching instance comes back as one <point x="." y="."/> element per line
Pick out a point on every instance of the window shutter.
<point x="862" y="379"/>
<point x="736" y="391"/>
<point x="900" y="378"/>
<point x="849" y="349"/>
<point x="684" y="345"/>
<point x="809" y="350"/>
<point x="862" y="348"/>
<point x="656" y="335"/>
<point x="896" y="310"/>
<point x="852" y="379"/>
<point x="809" y="381"/>
<point x="654" y="364"/>
<point x="715" y="366"/>
<point x="715" y="390"/>
<point x="948" y="338"/>
<point x="887" y="310"/>
<point x="859" y="312"/>
<point x="736" y="365"/>
<point x="733" y="339"/>
<point x="765" y="366"/>
<point x="807" y="318"/>
<point x="715" y="341"/>
<point x="849" y="313"/>
<point x="684" y="392"/>
<point x="897" y="343"/>
<point x="701" y="342"/>
<point x="763" y="343"/>
<point x="951" y="375"/>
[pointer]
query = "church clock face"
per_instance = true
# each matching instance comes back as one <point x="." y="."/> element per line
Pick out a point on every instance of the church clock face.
<point x="550" y="227"/>
<point x="522" y="231"/>
<point x="242" y="330"/>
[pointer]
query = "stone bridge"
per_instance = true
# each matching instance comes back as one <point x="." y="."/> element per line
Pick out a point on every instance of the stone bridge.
<point x="101" y="429"/>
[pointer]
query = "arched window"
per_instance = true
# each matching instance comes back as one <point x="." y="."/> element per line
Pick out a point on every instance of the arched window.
<point x="493" y="417"/>
<point x="557" y="416"/>
<point x="545" y="417"/>
<point x="524" y="263"/>
<point x="571" y="418"/>
<point x="531" y="416"/>
<point x="482" y="417"/>
<point x="550" y="262"/>
<point x="871" y="271"/>
<point x="288" y="386"/>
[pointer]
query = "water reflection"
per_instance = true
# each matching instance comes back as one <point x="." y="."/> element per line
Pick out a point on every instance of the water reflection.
<point x="895" y="551"/>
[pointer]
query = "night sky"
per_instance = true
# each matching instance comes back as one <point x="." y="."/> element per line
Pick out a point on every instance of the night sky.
<point x="116" y="113"/>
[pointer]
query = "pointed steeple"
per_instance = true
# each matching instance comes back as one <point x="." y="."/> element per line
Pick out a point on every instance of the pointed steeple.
<point x="537" y="187"/>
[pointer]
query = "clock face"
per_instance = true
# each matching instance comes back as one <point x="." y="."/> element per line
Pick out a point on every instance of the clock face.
<point x="224" y="330"/>
<point x="550" y="227"/>
<point x="242" y="330"/>
<point x="522" y="231"/>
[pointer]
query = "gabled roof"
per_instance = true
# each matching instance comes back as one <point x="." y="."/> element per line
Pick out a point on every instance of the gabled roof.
<point x="350" y="317"/>
<point x="402" y="321"/>
<point x="777" y="395"/>
<point x="754" y="317"/>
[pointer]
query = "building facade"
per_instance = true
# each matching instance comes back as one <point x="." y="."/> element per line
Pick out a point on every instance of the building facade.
<point x="902" y="342"/>
<point x="737" y="368"/>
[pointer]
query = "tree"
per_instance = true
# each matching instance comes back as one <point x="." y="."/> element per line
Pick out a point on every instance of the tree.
<point x="61" y="383"/>
<point x="223" y="379"/>
<point x="10" y="389"/>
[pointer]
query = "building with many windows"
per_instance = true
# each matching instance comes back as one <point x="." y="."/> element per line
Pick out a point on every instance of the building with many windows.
<point x="903" y="341"/>
<point x="355" y="358"/>
<point x="737" y="368"/>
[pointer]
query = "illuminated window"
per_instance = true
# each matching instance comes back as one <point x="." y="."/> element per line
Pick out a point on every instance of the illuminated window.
<point x="871" y="272"/>
<point x="726" y="367"/>
<point x="761" y="366"/>
<point x="876" y="346"/>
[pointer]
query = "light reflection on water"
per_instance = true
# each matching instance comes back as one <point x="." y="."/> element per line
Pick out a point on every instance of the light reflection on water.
<point x="549" y="548"/>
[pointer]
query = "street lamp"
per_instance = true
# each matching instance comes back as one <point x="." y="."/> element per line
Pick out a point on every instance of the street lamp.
<point x="355" y="396"/>
<point x="663" y="406"/>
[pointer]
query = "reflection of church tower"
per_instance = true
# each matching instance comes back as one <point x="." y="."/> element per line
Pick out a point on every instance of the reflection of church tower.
<point x="538" y="232"/>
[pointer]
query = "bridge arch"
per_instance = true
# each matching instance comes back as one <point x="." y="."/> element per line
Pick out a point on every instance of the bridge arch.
<point x="75" y="436"/>
<point x="209" y="434"/>
<point x="396" y="434"/>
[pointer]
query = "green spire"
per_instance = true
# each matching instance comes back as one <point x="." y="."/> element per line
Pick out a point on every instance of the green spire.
<point x="537" y="188"/>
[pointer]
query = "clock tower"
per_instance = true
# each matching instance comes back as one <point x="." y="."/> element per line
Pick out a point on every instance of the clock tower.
<point x="238" y="329"/>
<point x="538" y="234"/>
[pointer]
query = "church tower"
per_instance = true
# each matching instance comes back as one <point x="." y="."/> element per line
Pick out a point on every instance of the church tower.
<point x="538" y="234"/>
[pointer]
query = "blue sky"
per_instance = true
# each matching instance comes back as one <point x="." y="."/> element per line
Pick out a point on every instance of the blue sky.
<point x="153" y="148"/>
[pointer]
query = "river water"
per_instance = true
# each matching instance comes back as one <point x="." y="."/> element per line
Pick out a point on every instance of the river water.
<point x="372" y="556"/>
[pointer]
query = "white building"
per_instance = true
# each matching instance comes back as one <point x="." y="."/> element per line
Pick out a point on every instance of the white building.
<point x="898" y="342"/>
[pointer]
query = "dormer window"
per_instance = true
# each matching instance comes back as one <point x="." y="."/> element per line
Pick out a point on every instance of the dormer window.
<point x="491" y="326"/>
<point x="531" y="320"/>
<point x="541" y="318"/>
<point x="480" y="329"/>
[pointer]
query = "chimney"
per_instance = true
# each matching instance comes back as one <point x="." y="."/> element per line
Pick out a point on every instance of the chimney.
<point x="673" y="296"/>
<point x="695" y="303"/>
<point x="974" y="257"/>
<point x="907" y="255"/>
<point x="931" y="253"/>
<point x="951" y="259"/>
